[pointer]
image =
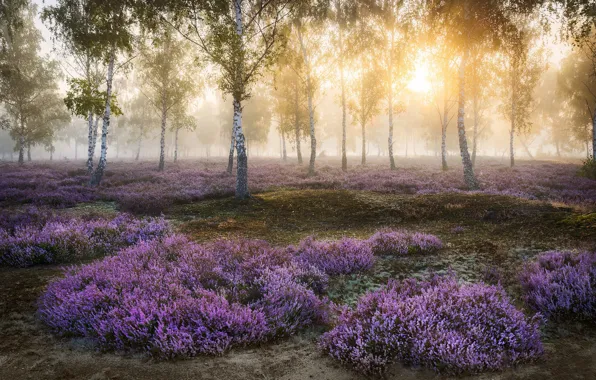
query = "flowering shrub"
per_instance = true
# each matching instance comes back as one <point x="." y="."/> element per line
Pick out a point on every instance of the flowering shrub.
<point x="344" y="256"/>
<point x="561" y="285"/>
<point x="31" y="215"/>
<point x="60" y="240"/>
<point x="64" y="184"/>
<point x="170" y="297"/>
<point x="391" y="242"/>
<point x="440" y="324"/>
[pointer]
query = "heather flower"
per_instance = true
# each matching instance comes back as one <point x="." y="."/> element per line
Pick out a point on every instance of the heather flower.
<point x="390" y="242"/>
<point x="439" y="324"/>
<point x="61" y="240"/>
<point x="344" y="256"/>
<point x="171" y="297"/>
<point x="561" y="285"/>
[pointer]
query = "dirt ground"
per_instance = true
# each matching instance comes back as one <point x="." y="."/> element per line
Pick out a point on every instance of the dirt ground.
<point x="499" y="232"/>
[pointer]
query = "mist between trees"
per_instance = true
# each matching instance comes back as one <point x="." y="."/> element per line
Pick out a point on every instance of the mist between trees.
<point x="168" y="80"/>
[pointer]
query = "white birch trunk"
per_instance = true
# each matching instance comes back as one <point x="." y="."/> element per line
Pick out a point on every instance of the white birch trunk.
<point x="95" y="132"/>
<point x="469" y="176"/>
<point x="297" y="124"/>
<point x="476" y="118"/>
<point x="162" y="141"/>
<point x="138" y="154"/>
<point x="594" y="135"/>
<point x="283" y="141"/>
<point x="91" y="145"/>
<point x="390" y="101"/>
<point x="101" y="165"/>
<point x="231" y="154"/>
<point x="344" y="155"/>
<point x="242" y="159"/>
<point x="22" y="142"/>
<point x="445" y="120"/>
<point x="311" y="116"/>
<point x="176" y="145"/>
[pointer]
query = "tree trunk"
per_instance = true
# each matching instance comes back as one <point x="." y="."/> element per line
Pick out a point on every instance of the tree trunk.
<point x="162" y="141"/>
<point x="101" y="165"/>
<point x="95" y="131"/>
<point x="22" y="143"/>
<point x="76" y="149"/>
<point x="344" y="155"/>
<point x="242" y="159"/>
<point x="390" y="72"/>
<point x="594" y="135"/>
<point x="469" y="176"/>
<point x="231" y="155"/>
<point x="29" y="152"/>
<point x="297" y="123"/>
<point x="363" y="143"/>
<point x="311" y="116"/>
<point x="176" y="146"/>
<point x="557" y="148"/>
<point x="363" y="114"/>
<point x="512" y="130"/>
<point x="283" y="140"/>
<point x="91" y="146"/>
<point x="526" y="148"/>
<point x="138" y="154"/>
<point x="511" y="151"/>
<point x="476" y="117"/>
<point x="445" y="121"/>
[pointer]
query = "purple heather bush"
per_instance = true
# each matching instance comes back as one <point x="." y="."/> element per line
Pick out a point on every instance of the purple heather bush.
<point x="344" y="256"/>
<point x="440" y="324"/>
<point x="65" y="184"/>
<point x="562" y="285"/>
<point x="390" y="242"/>
<point x="64" y="240"/>
<point x="170" y="297"/>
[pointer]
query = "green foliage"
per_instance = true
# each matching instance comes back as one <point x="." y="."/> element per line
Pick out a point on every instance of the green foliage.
<point x="93" y="27"/>
<point x="167" y="71"/>
<point x="520" y="72"/>
<point x="84" y="97"/>
<point x="28" y="86"/>
<point x="588" y="168"/>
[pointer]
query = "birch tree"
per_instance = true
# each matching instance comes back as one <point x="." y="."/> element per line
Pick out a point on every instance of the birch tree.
<point x="105" y="31"/>
<point x="577" y="83"/>
<point x="140" y="120"/>
<point x="242" y="38"/>
<point x="309" y="13"/>
<point x="181" y="121"/>
<point x="28" y="87"/>
<point x="168" y="73"/>
<point x="396" y="20"/>
<point x="367" y="91"/>
<point x="521" y="71"/>
<point x="290" y="102"/>
<point x="343" y="12"/>
<point x="84" y="99"/>
<point x="470" y="22"/>
<point x="67" y="20"/>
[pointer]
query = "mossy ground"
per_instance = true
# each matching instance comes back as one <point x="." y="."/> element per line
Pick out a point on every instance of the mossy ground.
<point x="499" y="232"/>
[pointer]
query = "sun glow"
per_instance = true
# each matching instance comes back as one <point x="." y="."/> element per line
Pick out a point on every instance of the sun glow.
<point x="420" y="81"/>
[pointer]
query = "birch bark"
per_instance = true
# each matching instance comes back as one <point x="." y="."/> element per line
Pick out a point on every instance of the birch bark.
<point x="469" y="176"/>
<point x="101" y="165"/>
